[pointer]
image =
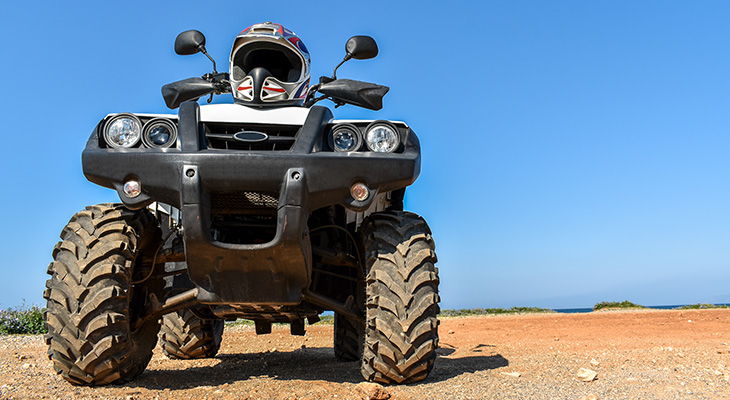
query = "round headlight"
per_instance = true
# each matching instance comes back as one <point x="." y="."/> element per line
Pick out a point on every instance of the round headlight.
<point x="159" y="133"/>
<point x="382" y="137"/>
<point x="345" y="137"/>
<point x="124" y="130"/>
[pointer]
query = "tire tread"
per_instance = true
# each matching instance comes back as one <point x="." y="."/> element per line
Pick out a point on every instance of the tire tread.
<point x="401" y="332"/>
<point x="184" y="335"/>
<point x="89" y="336"/>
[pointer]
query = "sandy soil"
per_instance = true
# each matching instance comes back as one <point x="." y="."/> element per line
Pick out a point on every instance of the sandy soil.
<point x="635" y="355"/>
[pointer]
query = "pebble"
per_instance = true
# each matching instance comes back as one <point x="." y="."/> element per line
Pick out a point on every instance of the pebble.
<point x="372" y="391"/>
<point x="586" y="375"/>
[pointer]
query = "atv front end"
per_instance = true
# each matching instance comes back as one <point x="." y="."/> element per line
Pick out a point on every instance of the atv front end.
<point x="245" y="205"/>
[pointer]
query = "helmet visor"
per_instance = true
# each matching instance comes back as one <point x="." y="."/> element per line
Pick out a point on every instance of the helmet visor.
<point x="283" y="64"/>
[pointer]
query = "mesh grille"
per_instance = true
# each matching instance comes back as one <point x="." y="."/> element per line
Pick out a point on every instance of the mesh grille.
<point x="243" y="202"/>
<point x="220" y="136"/>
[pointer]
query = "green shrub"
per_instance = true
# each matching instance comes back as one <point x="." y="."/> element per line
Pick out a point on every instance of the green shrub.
<point x="616" y="304"/>
<point x="701" y="306"/>
<point x="23" y="320"/>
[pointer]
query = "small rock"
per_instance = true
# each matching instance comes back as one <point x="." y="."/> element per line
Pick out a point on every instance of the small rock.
<point x="26" y="366"/>
<point x="451" y="332"/>
<point x="595" y="362"/>
<point x="512" y="374"/>
<point x="372" y="391"/>
<point x="586" y="375"/>
<point x="590" y="397"/>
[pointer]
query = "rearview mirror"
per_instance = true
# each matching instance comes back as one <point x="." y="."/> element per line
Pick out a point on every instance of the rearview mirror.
<point x="361" y="47"/>
<point x="190" y="42"/>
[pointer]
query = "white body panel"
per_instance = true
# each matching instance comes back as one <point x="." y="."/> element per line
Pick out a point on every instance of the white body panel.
<point x="242" y="114"/>
<point x="239" y="113"/>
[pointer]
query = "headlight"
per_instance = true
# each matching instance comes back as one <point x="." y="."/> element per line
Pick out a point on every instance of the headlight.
<point x="345" y="137"/>
<point x="124" y="130"/>
<point x="382" y="137"/>
<point x="159" y="133"/>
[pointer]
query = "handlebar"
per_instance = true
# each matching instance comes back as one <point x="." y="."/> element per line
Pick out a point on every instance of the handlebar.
<point x="194" y="88"/>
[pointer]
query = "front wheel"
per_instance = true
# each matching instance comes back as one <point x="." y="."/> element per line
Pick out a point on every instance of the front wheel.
<point x="102" y="278"/>
<point x="401" y="307"/>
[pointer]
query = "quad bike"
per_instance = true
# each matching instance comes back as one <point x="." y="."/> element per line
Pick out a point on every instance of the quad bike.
<point x="274" y="214"/>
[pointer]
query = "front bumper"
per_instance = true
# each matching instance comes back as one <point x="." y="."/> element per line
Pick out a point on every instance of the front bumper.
<point x="304" y="178"/>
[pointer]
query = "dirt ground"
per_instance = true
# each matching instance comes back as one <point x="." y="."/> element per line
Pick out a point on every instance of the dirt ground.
<point x="634" y="355"/>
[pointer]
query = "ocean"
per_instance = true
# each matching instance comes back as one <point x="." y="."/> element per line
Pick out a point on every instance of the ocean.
<point x="585" y="310"/>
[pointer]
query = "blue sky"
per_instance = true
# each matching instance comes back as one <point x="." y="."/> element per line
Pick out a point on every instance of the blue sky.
<point x="573" y="151"/>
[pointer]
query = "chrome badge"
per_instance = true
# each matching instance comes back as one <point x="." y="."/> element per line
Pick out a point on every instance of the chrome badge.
<point x="250" y="136"/>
